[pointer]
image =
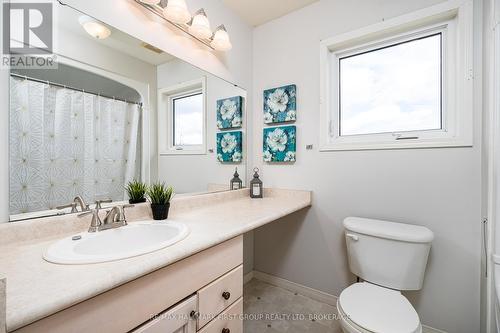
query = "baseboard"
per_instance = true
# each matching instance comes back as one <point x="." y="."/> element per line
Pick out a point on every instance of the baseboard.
<point x="317" y="295"/>
<point x="247" y="277"/>
<point x="428" y="329"/>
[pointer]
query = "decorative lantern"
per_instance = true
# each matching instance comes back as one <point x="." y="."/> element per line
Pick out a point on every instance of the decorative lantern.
<point x="256" y="185"/>
<point x="236" y="182"/>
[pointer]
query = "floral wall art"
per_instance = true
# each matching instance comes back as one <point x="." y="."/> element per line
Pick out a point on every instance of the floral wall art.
<point x="229" y="147"/>
<point x="280" y="104"/>
<point x="229" y="112"/>
<point x="279" y="144"/>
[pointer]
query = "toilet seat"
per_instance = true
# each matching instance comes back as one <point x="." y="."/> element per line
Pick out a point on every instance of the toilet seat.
<point x="375" y="309"/>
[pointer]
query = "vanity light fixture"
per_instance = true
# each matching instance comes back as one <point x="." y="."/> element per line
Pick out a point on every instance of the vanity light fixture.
<point x="93" y="27"/>
<point x="150" y="2"/>
<point x="177" y="12"/>
<point x="198" y="26"/>
<point x="220" y="39"/>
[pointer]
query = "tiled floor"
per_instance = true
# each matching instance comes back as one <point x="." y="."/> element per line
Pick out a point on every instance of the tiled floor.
<point x="270" y="309"/>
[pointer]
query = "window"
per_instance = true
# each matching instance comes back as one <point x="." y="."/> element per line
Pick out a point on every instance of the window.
<point x="188" y="120"/>
<point x="407" y="88"/>
<point x="182" y="118"/>
<point x="392" y="89"/>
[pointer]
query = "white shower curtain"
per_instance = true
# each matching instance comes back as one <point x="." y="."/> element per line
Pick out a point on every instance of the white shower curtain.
<point x="65" y="143"/>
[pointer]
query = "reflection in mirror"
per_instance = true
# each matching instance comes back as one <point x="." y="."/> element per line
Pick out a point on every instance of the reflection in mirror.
<point x="115" y="110"/>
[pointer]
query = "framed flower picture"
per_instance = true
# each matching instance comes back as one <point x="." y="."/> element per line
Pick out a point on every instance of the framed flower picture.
<point x="280" y="104"/>
<point x="280" y="144"/>
<point x="229" y="112"/>
<point x="230" y="147"/>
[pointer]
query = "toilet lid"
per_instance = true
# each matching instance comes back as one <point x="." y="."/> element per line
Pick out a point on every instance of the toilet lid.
<point x="378" y="309"/>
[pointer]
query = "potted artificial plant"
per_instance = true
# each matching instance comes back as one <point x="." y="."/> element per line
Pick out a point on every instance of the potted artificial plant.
<point x="136" y="191"/>
<point x="159" y="195"/>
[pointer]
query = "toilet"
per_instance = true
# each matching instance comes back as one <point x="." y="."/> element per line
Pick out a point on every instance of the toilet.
<point x="389" y="257"/>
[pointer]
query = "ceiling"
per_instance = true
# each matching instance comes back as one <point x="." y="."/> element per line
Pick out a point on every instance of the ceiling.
<point x="257" y="12"/>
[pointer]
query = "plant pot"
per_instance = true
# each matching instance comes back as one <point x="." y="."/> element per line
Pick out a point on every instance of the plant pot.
<point x="160" y="212"/>
<point x="137" y="201"/>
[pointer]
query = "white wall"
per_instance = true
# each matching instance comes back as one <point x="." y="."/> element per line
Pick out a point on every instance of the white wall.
<point x="438" y="188"/>
<point x="193" y="173"/>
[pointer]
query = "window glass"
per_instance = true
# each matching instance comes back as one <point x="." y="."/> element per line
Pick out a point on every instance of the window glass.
<point x="188" y="120"/>
<point x="392" y="89"/>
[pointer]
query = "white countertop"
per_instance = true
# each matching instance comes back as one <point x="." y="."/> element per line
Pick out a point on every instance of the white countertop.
<point x="36" y="288"/>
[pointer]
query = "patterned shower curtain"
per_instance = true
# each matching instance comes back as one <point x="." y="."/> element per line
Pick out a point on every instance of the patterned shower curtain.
<point x="65" y="143"/>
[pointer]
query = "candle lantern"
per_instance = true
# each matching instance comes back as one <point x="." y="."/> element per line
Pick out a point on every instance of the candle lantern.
<point x="256" y="189"/>
<point x="236" y="182"/>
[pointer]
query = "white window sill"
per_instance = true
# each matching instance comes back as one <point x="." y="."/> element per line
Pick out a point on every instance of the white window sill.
<point x="400" y="144"/>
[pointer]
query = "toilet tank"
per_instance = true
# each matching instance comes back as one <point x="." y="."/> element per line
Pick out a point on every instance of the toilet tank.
<point x="390" y="254"/>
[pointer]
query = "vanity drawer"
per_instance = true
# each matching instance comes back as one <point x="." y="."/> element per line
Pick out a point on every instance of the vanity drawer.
<point x="218" y="295"/>
<point x="229" y="321"/>
<point x="176" y="319"/>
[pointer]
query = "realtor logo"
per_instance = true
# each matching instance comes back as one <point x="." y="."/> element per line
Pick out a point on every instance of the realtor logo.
<point x="27" y="28"/>
<point x="28" y="36"/>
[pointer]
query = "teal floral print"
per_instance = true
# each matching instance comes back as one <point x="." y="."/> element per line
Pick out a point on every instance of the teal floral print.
<point x="229" y="147"/>
<point x="280" y="104"/>
<point x="229" y="112"/>
<point x="279" y="144"/>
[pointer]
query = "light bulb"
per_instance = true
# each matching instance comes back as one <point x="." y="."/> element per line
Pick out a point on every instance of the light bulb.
<point x="150" y="2"/>
<point x="200" y="27"/>
<point x="177" y="12"/>
<point x="93" y="27"/>
<point x="221" y="40"/>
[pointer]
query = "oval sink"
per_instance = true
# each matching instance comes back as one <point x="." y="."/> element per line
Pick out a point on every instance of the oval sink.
<point x="115" y="244"/>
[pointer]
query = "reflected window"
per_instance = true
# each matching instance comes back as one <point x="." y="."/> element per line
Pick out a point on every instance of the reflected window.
<point x="188" y="120"/>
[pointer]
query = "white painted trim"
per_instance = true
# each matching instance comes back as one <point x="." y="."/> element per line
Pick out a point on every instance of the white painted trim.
<point x="491" y="106"/>
<point x="314" y="294"/>
<point x="248" y="277"/>
<point x="457" y="17"/>
<point x="428" y="329"/>
<point x="165" y="119"/>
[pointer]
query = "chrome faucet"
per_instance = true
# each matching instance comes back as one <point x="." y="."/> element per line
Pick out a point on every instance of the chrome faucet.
<point x="78" y="200"/>
<point x="115" y="218"/>
<point x="96" y="223"/>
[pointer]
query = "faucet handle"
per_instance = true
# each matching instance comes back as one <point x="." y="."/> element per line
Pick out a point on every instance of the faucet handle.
<point x="99" y="202"/>
<point x="78" y="200"/>
<point x="96" y="220"/>
<point x="121" y="216"/>
<point x="70" y="205"/>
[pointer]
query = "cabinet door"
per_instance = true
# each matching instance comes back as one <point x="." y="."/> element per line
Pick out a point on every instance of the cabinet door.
<point x="174" y="320"/>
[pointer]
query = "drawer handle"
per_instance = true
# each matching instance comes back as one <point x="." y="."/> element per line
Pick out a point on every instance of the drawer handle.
<point x="194" y="315"/>
<point x="226" y="330"/>
<point x="226" y="295"/>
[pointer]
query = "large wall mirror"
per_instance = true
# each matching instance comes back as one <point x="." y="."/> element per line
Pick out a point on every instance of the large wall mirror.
<point x="114" y="110"/>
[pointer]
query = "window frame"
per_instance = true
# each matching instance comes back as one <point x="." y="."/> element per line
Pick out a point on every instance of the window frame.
<point x="454" y="23"/>
<point x="166" y="123"/>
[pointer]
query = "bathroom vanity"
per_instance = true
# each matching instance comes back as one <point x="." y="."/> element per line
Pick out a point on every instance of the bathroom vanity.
<point x="195" y="285"/>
